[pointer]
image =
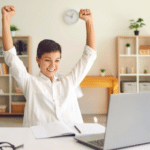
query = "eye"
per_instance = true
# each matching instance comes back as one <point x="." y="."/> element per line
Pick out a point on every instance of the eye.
<point x="57" y="60"/>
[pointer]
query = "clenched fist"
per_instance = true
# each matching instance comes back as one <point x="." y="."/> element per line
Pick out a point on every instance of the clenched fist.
<point x="86" y="15"/>
<point x="8" y="11"/>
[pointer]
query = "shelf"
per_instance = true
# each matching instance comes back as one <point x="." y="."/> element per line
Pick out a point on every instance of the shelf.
<point x="144" y="55"/>
<point x="133" y="36"/>
<point x="8" y="83"/>
<point x="4" y="75"/>
<point x="123" y="55"/>
<point x="135" y="60"/>
<point x="134" y="74"/>
<point x="128" y="74"/>
<point x="16" y="94"/>
<point x="133" y="55"/>
<point x="18" y="37"/>
<point x="22" y="55"/>
<point x="7" y="113"/>
<point x="18" y="56"/>
<point x="144" y="74"/>
<point x="4" y="94"/>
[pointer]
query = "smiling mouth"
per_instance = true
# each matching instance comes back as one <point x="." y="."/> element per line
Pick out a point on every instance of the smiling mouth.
<point x="51" y="70"/>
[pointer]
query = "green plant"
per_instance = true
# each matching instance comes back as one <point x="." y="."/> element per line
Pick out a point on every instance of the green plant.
<point x="145" y="71"/>
<point x="136" y="24"/>
<point x="127" y="45"/>
<point x="102" y="70"/>
<point x="13" y="28"/>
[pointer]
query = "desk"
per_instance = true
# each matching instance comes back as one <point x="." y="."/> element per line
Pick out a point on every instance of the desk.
<point x="99" y="81"/>
<point x="16" y="135"/>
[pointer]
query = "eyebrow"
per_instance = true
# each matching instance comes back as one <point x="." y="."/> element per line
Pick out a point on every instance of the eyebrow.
<point x="50" y="58"/>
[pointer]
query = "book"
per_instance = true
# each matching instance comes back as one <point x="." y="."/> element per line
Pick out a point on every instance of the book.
<point x="0" y="69"/>
<point x="3" y="68"/>
<point x="60" y="129"/>
<point x="90" y="128"/>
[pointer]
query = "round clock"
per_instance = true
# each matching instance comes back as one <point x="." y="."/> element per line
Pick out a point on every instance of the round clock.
<point x="71" y="16"/>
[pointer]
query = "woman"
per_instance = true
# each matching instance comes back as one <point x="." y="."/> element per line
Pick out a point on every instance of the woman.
<point x="49" y="97"/>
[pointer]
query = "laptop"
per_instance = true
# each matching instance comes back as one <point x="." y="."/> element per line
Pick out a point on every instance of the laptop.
<point x="128" y="123"/>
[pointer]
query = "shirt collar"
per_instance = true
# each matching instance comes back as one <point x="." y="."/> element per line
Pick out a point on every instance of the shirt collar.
<point x="46" y="78"/>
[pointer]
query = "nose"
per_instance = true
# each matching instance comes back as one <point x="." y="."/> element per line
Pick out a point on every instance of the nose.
<point x="52" y="66"/>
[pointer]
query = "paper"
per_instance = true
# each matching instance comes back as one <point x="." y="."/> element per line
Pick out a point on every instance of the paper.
<point x="90" y="128"/>
<point x="53" y="129"/>
<point x="59" y="129"/>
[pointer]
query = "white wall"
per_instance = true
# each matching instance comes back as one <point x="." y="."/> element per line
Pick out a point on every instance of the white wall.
<point x="43" y="20"/>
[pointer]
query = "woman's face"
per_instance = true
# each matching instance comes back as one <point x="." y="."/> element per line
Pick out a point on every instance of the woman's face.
<point x="49" y="63"/>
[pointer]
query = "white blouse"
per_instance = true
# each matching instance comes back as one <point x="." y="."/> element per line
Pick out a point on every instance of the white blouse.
<point x="78" y="89"/>
<point x="48" y="101"/>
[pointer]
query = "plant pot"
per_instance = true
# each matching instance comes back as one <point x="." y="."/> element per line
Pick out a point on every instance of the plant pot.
<point x="136" y="32"/>
<point x="102" y="73"/>
<point x="13" y="33"/>
<point x="128" y="50"/>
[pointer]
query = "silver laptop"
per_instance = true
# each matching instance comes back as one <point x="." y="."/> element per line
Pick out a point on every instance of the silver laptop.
<point x="128" y="123"/>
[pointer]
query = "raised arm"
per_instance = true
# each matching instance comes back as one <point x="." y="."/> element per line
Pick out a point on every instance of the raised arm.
<point x="16" y="66"/>
<point x="86" y="15"/>
<point x="7" y="13"/>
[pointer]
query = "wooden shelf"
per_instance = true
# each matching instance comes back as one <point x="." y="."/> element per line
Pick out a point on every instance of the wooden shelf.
<point x="11" y="96"/>
<point x="7" y="113"/>
<point x="134" y="60"/>
<point x="16" y="94"/>
<point x="4" y="94"/>
<point x="123" y="55"/>
<point x="18" y="37"/>
<point x="134" y="74"/>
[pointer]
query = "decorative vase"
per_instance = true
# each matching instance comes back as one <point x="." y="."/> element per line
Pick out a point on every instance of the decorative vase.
<point x="103" y="73"/>
<point x="1" y="91"/>
<point x="13" y="33"/>
<point x="136" y="32"/>
<point x="128" y="70"/>
<point x="128" y="50"/>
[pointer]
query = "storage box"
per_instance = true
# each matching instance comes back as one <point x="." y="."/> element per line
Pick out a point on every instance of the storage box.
<point x="17" y="107"/>
<point x="144" y="50"/>
<point x="144" y="86"/>
<point x="3" y="108"/>
<point x="129" y="87"/>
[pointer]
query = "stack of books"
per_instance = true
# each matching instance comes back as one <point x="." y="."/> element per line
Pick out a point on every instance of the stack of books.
<point x="3" y="68"/>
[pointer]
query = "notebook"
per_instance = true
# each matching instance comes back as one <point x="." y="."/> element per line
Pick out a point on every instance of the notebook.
<point x="60" y="129"/>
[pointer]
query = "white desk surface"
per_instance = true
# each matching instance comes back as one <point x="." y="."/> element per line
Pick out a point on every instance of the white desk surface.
<point x="19" y="135"/>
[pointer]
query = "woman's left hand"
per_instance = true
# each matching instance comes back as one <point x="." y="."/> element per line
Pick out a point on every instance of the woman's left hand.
<point x="86" y="15"/>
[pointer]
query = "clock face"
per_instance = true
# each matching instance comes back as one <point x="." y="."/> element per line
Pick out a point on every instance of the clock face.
<point x="71" y="16"/>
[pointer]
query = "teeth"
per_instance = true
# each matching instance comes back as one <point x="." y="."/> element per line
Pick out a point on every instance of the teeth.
<point x="50" y="70"/>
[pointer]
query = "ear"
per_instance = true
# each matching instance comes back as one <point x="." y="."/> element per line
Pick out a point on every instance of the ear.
<point x="37" y="60"/>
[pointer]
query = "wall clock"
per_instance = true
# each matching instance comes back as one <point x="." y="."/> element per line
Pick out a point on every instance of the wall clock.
<point x="71" y="16"/>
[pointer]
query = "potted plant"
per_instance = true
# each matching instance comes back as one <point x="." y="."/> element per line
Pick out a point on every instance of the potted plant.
<point x="13" y="30"/>
<point x="103" y="72"/>
<point x="136" y="25"/>
<point x="145" y="71"/>
<point x="128" y="49"/>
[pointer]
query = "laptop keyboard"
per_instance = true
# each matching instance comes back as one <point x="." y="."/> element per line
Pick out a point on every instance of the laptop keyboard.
<point x="98" y="143"/>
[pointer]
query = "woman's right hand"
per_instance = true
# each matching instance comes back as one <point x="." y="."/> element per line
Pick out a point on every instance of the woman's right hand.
<point x="8" y="11"/>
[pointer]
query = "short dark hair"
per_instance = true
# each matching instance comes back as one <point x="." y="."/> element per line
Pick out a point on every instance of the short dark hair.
<point x="47" y="46"/>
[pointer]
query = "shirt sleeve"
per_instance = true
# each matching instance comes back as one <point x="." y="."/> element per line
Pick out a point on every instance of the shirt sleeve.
<point x="16" y="68"/>
<point x="83" y="66"/>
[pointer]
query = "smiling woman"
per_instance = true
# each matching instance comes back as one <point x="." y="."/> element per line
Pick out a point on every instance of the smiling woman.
<point x="48" y="57"/>
<point x="48" y="96"/>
